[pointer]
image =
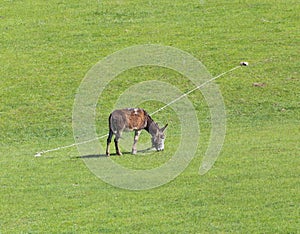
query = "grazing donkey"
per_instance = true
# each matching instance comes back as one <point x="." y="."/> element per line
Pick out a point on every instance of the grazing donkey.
<point x="134" y="119"/>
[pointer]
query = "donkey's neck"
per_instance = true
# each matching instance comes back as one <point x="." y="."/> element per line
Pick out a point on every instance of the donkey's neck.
<point x="149" y="121"/>
<point x="151" y="126"/>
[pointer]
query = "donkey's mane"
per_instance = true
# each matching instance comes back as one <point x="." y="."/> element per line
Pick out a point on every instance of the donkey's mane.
<point x="149" y="122"/>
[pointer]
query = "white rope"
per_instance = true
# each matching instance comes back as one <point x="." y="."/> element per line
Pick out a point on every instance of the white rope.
<point x="198" y="87"/>
<point x="38" y="154"/>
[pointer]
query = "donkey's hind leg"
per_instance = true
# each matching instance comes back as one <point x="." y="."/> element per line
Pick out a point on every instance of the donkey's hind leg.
<point x="118" y="152"/>
<point x="108" y="142"/>
<point x="118" y="136"/>
<point x="136" y="138"/>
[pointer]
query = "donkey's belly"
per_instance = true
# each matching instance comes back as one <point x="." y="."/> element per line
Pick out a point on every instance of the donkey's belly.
<point x="132" y="128"/>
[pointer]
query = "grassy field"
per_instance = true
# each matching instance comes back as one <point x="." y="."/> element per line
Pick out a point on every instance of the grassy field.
<point x="47" y="47"/>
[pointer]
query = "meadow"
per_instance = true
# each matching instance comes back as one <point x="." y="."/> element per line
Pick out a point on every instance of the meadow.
<point x="47" y="48"/>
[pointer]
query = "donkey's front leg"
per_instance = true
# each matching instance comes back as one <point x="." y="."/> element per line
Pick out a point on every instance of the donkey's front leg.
<point x="136" y="138"/>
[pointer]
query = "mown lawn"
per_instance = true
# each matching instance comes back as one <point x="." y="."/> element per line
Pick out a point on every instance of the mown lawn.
<point x="48" y="47"/>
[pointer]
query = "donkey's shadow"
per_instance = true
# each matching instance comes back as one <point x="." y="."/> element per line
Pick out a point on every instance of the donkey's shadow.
<point x="139" y="153"/>
<point x="92" y="156"/>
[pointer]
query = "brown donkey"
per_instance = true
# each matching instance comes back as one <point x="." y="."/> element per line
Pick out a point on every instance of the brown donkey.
<point x="134" y="119"/>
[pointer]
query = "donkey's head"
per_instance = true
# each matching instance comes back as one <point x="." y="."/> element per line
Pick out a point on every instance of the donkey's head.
<point x="158" y="138"/>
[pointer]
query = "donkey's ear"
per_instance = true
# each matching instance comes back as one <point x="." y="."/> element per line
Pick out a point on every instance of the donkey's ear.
<point x="164" y="128"/>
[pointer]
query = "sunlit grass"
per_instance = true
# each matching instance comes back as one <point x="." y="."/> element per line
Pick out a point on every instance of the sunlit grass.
<point x="48" y="47"/>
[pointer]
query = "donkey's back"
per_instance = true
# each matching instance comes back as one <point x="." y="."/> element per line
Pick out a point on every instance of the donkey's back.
<point x="127" y="120"/>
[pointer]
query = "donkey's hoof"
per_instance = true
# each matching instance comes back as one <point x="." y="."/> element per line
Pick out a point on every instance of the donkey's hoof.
<point x="133" y="152"/>
<point x="119" y="154"/>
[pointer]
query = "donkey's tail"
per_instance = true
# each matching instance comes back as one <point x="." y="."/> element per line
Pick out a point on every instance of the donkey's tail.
<point x="112" y="122"/>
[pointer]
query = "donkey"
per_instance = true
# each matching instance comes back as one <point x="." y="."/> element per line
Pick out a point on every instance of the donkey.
<point x="134" y="119"/>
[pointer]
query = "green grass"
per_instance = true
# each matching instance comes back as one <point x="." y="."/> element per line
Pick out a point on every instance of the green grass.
<point x="46" y="50"/>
